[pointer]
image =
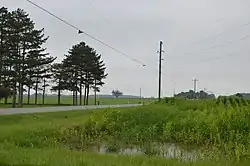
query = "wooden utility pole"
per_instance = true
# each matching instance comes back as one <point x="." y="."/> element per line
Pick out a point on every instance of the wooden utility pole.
<point x="160" y="59"/>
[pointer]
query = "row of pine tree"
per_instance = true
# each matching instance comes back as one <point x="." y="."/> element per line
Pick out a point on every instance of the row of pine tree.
<point x="26" y="65"/>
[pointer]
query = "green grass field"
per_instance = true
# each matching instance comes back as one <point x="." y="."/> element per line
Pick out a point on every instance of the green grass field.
<point x="219" y="129"/>
<point x="52" y="101"/>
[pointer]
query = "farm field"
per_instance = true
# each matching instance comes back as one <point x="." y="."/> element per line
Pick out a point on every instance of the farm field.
<point x="189" y="133"/>
<point x="66" y="101"/>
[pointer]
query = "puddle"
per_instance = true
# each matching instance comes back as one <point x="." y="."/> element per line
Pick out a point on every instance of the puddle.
<point x="168" y="150"/>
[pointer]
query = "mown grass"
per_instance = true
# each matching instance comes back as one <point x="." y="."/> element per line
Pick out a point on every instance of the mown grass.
<point x="66" y="101"/>
<point x="61" y="138"/>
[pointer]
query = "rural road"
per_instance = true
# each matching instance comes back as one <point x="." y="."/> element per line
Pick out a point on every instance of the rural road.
<point x="11" y="111"/>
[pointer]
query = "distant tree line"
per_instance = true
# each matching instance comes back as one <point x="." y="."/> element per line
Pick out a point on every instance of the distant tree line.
<point x="195" y="95"/>
<point x="243" y="95"/>
<point x="25" y="64"/>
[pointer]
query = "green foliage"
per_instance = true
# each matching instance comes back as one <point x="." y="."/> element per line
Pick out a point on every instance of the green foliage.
<point x="117" y="93"/>
<point x="25" y="64"/>
<point x="81" y="68"/>
<point x="33" y="139"/>
<point x="221" y="124"/>
<point x="23" y="61"/>
<point x="4" y="92"/>
<point x="193" y="95"/>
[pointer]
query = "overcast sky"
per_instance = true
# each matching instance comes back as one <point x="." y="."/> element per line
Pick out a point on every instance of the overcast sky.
<point x="206" y="39"/>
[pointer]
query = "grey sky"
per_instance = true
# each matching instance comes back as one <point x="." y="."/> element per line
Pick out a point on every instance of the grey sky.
<point x="187" y="28"/>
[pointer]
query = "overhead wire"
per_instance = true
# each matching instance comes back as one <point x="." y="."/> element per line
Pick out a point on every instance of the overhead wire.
<point x="87" y="34"/>
<point x="217" y="57"/>
<point x="217" y="34"/>
<point x="216" y="46"/>
<point x="96" y="39"/>
<point x="193" y="42"/>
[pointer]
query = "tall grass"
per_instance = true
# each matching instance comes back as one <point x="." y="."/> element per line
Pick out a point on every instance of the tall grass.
<point x="221" y="125"/>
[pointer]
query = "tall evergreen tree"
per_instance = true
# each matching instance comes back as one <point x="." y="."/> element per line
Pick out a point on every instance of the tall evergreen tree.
<point x="39" y="69"/>
<point x="85" y="69"/>
<point x="98" y="74"/>
<point x="25" y="53"/>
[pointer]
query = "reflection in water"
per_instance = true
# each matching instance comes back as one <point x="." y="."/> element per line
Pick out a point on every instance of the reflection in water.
<point x="168" y="150"/>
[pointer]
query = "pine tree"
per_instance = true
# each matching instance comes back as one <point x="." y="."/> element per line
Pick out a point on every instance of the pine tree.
<point x="98" y="74"/>
<point x="85" y="69"/>
<point x="25" y="54"/>
<point x="39" y="69"/>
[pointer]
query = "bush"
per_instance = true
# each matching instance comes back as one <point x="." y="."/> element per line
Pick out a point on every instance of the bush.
<point x="4" y="92"/>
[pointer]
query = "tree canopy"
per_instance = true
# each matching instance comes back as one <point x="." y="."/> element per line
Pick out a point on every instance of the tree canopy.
<point x="82" y="68"/>
<point x="194" y="95"/>
<point x="25" y="64"/>
<point x="117" y="93"/>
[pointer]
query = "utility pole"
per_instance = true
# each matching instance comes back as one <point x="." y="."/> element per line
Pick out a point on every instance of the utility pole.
<point x="160" y="59"/>
<point x="140" y="97"/>
<point x="174" y="88"/>
<point x="195" y="84"/>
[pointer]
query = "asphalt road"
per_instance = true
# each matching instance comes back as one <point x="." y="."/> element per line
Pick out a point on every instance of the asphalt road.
<point x="11" y="111"/>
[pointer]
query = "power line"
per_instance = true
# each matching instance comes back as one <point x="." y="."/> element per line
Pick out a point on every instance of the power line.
<point x="87" y="34"/>
<point x="210" y="59"/>
<point x="216" y="35"/>
<point x="218" y="45"/>
<point x="217" y="57"/>
<point x="223" y="44"/>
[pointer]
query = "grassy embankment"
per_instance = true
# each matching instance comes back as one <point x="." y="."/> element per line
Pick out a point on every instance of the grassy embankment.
<point x="218" y="129"/>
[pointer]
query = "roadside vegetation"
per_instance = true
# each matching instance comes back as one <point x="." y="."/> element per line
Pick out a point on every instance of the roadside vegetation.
<point x="203" y="132"/>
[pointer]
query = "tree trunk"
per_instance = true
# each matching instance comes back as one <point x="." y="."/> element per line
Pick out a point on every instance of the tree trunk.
<point x="76" y="95"/>
<point x="73" y="97"/>
<point x="44" y="84"/>
<point x="87" y="99"/>
<point x="28" y="102"/>
<point x="1" y="51"/>
<point x="95" y="93"/>
<point x="36" y="90"/>
<point x="21" y="72"/>
<point x="59" y="93"/>
<point x="95" y="90"/>
<point x="80" y="93"/>
<point x="59" y="97"/>
<point x="22" y="96"/>
<point x="5" y="100"/>
<point x="19" y="94"/>
<point x="85" y="93"/>
<point x="7" y="79"/>
<point x="29" y="88"/>
<point x="14" y="96"/>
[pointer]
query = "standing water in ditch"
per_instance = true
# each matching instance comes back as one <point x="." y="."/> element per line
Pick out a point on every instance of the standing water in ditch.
<point x="167" y="150"/>
<point x="220" y="128"/>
